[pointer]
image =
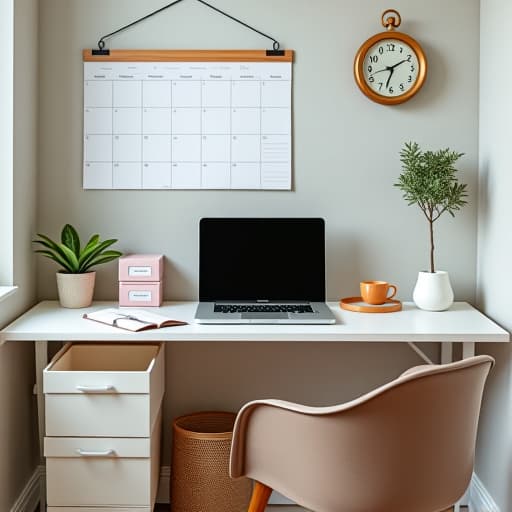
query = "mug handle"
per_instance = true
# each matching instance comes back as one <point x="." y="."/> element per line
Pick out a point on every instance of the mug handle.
<point x="394" y="292"/>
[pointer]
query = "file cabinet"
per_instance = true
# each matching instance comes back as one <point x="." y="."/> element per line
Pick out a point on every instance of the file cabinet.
<point x="103" y="427"/>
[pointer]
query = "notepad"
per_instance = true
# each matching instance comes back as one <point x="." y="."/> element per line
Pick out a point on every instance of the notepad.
<point x="187" y="125"/>
<point x="134" y="320"/>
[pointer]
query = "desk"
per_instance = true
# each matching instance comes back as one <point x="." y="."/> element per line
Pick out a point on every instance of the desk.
<point x="460" y="324"/>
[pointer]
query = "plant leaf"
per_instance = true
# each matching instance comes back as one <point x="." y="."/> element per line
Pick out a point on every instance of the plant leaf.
<point x="53" y="246"/>
<point x="71" y="257"/>
<point x="69" y="237"/>
<point x="89" y="248"/>
<point x="57" y="258"/>
<point x="94" y="251"/>
<point x="91" y="243"/>
<point x="104" y="258"/>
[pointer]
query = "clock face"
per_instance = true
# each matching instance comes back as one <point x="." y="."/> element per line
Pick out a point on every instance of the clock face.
<point x="390" y="68"/>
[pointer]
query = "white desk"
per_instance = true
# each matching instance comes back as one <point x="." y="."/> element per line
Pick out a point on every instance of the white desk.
<point x="460" y="324"/>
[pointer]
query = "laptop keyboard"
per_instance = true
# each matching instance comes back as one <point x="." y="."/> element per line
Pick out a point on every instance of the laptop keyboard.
<point x="263" y="308"/>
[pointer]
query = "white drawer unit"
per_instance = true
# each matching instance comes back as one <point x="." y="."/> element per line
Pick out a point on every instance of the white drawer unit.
<point x="105" y="390"/>
<point x="96" y="472"/>
<point x="103" y="427"/>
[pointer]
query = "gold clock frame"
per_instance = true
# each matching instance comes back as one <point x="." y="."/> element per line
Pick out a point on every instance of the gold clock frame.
<point x="390" y="23"/>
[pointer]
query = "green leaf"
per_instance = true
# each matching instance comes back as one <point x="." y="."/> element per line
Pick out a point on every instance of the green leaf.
<point x="71" y="258"/>
<point x="50" y="244"/>
<point x="68" y="253"/>
<point x="57" y="258"/>
<point x="104" y="258"/>
<point x="69" y="237"/>
<point x="93" y="252"/>
<point x="92" y="244"/>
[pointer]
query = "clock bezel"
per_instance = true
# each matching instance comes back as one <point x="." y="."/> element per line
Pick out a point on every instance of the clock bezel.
<point x="359" y="68"/>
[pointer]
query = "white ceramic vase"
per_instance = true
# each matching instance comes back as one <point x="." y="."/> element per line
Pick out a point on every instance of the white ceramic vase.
<point x="75" y="290"/>
<point x="433" y="291"/>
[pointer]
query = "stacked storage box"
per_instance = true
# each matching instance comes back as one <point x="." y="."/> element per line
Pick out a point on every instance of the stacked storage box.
<point x="103" y="426"/>
<point x="140" y="280"/>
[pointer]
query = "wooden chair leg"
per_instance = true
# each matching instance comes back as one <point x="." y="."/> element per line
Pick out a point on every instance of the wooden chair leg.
<point x="260" y="496"/>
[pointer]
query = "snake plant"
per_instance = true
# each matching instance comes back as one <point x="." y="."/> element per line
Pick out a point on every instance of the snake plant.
<point x="70" y="256"/>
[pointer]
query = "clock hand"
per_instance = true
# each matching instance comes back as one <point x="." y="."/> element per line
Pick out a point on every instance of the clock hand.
<point x="381" y="70"/>
<point x="397" y="64"/>
<point x="389" y="77"/>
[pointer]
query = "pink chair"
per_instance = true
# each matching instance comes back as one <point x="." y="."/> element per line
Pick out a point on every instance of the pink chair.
<point x="407" y="446"/>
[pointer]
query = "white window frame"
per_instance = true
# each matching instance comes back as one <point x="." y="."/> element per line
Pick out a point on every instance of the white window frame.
<point x="6" y="148"/>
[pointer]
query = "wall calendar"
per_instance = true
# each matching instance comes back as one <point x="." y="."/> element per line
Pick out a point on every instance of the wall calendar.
<point x="187" y="120"/>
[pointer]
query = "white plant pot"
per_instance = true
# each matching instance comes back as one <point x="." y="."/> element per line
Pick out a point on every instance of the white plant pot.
<point x="75" y="290"/>
<point x="433" y="291"/>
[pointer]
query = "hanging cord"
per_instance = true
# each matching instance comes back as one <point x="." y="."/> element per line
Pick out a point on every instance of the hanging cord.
<point x="101" y="42"/>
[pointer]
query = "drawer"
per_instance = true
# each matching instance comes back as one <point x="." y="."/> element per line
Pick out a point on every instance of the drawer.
<point x="81" y="368"/>
<point x="103" y="472"/>
<point x="141" y="267"/>
<point x="100" y="415"/>
<point x="140" y="294"/>
<point x="102" y="390"/>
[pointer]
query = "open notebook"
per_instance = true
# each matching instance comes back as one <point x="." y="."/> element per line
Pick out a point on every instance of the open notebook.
<point x="134" y="320"/>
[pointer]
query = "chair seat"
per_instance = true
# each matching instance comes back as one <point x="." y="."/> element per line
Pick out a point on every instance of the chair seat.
<point x="405" y="446"/>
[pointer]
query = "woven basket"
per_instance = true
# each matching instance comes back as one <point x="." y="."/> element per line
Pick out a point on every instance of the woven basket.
<point x="200" y="480"/>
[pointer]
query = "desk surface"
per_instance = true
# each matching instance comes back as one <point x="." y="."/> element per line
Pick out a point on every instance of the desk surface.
<point x="461" y="323"/>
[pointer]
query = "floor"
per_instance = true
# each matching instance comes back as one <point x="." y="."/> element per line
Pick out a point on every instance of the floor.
<point x="274" y="508"/>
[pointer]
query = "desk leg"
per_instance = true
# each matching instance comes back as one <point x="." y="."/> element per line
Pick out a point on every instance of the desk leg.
<point x="446" y="352"/>
<point x="468" y="350"/>
<point x="447" y="357"/>
<point x="41" y="351"/>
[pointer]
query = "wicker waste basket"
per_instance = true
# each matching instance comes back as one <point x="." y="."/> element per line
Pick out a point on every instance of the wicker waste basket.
<point x="200" y="480"/>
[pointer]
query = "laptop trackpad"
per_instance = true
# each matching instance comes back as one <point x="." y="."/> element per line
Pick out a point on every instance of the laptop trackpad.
<point x="264" y="316"/>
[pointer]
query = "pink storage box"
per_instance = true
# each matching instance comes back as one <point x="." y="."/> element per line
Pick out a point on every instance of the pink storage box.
<point x="141" y="267"/>
<point x="140" y="294"/>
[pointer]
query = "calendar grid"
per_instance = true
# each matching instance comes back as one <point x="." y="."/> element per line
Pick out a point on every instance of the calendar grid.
<point x="183" y="125"/>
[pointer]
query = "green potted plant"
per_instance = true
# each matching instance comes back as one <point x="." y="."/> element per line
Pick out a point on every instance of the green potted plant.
<point x="75" y="280"/>
<point x="428" y="180"/>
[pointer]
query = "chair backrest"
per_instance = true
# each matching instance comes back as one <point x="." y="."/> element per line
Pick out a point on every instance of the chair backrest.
<point x="406" y="446"/>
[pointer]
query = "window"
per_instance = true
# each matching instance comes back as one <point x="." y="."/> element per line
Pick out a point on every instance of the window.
<point x="6" y="143"/>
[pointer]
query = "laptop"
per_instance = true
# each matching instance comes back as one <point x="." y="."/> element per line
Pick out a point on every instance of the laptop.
<point x="262" y="271"/>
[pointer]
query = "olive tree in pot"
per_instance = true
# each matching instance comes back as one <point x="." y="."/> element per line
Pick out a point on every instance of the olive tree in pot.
<point x="75" y="280"/>
<point x="428" y="180"/>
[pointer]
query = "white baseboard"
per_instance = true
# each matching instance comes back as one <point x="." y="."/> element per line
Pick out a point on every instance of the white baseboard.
<point x="28" y="499"/>
<point x="479" y="498"/>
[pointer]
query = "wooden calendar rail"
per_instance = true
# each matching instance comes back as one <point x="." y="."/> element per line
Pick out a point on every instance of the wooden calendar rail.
<point x="188" y="56"/>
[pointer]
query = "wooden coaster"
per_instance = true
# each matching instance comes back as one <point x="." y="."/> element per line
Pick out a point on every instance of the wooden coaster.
<point x="357" y="304"/>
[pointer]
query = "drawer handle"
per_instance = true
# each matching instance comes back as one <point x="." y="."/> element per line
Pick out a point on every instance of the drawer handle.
<point x="95" y="389"/>
<point x="86" y="453"/>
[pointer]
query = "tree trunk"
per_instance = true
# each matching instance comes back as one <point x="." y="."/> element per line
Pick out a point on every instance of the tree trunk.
<point x="432" y="246"/>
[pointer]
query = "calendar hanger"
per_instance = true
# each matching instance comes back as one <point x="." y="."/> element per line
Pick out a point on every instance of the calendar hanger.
<point x="101" y="43"/>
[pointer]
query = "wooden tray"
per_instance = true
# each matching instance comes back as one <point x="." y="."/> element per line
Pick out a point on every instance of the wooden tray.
<point x="357" y="304"/>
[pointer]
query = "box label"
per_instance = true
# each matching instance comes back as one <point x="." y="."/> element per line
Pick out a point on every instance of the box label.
<point x="139" y="271"/>
<point x="139" y="295"/>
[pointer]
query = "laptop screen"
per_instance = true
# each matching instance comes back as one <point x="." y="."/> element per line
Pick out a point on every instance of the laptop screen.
<point x="261" y="259"/>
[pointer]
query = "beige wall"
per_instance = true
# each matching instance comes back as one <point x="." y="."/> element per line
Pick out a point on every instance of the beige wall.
<point x="345" y="163"/>
<point x="17" y="427"/>
<point x="345" y="147"/>
<point x="495" y="245"/>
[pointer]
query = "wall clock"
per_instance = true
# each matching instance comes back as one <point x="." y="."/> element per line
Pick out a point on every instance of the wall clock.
<point x="390" y="67"/>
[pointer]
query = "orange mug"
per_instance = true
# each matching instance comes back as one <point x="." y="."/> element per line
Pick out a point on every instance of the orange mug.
<point x="376" y="292"/>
